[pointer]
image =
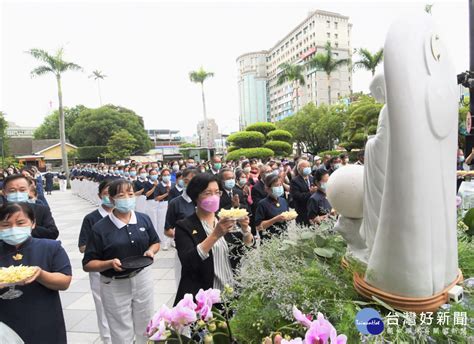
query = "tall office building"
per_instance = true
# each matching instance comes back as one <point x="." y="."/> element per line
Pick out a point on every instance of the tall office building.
<point x="212" y="133"/>
<point x="297" y="47"/>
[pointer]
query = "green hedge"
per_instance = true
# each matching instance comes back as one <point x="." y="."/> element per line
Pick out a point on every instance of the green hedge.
<point x="231" y="148"/>
<point x="280" y="148"/>
<point x="280" y="135"/>
<point x="258" y="153"/>
<point x="246" y="139"/>
<point x="91" y="152"/>
<point x="261" y="127"/>
<point x="331" y="153"/>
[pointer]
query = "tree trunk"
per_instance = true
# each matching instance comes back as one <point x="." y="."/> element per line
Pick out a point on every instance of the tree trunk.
<point x="297" y="105"/>
<point x="62" y="129"/>
<point x="329" y="89"/>
<point x="206" y="132"/>
<point x="100" y="95"/>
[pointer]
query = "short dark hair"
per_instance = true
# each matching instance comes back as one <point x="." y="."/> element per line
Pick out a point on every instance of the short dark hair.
<point x="179" y="174"/>
<point x="188" y="171"/>
<point x="198" y="184"/>
<point x="270" y="179"/>
<point x="319" y="174"/>
<point x="119" y="184"/>
<point x="103" y="184"/>
<point x="9" y="209"/>
<point x="13" y="177"/>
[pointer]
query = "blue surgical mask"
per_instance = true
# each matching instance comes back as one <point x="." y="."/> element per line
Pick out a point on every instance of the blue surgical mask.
<point x="125" y="205"/>
<point x="276" y="172"/>
<point x="175" y="168"/>
<point x="166" y="179"/>
<point x="31" y="201"/>
<point x="133" y="173"/>
<point x="324" y="186"/>
<point x="126" y="174"/>
<point x="306" y="171"/>
<point x="15" y="235"/>
<point x="17" y="197"/>
<point x="143" y="175"/>
<point x="106" y="202"/>
<point x="336" y="166"/>
<point x="181" y="183"/>
<point x="229" y="184"/>
<point x="153" y="177"/>
<point x="242" y="181"/>
<point x="461" y="158"/>
<point x="277" y="191"/>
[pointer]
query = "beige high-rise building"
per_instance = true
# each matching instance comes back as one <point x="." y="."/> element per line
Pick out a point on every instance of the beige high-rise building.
<point x="297" y="47"/>
<point x="212" y="133"/>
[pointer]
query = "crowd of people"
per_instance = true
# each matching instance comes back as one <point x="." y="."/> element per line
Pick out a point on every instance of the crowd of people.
<point x="142" y="208"/>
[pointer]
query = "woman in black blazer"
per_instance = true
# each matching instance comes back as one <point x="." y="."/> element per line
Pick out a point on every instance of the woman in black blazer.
<point x="208" y="248"/>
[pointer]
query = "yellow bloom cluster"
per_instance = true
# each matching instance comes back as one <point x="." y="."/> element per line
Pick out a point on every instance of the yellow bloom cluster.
<point x="15" y="274"/>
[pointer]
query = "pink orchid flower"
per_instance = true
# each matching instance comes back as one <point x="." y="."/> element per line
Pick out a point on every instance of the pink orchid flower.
<point x="301" y="318"/>
<point x="292" y="341"/>
<point x="205" y="300"/>
<point x="160" y="333"/>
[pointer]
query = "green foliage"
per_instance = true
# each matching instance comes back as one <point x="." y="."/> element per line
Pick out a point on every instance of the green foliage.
<point x="280" y="148"/>
<point x="3" y="134"/>
<point x="316" y="128"/>
<point x="49" y="129"/>
<point x="469" y="221"/>
<point x="280" y="135"/>
<point x="291" y="72"/>
<point x="246" y="139"/>
<point x="361" y="122"/>
<point x="368" y="61"/>
<point x="200" y="75"/>
<point x="121" y="145"/>
<point x="94" y="127"/>
<point x="90" y="153"/>
<point x="231" y="148"/>
<point x="261" y="127"/>
<point x="463" y="110"/>
<point x="290" y="272"/>
<point x="331" y="153"/>
<point x="187" y="145"/>
<point x="258" y="153"/>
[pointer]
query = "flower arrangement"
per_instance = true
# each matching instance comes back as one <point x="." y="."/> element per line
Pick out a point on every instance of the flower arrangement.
<point x="190" y="322"/>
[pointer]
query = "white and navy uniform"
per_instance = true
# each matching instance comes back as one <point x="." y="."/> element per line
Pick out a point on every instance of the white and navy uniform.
<point x="127" y="296"/>
<point x="94" y="277"/>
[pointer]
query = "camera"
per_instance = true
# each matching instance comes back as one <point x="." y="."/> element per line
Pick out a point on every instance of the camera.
<point x="466" y="79"/>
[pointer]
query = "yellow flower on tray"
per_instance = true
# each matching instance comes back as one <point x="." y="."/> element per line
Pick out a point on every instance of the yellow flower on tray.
<point x="233" y="213"/>
<point x="17" y="256"/>
<point x="290" y="215"/>
<point x="15" y="274"/>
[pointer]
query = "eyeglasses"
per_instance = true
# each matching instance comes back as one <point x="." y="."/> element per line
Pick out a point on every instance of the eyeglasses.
<point x="210" y="193"/>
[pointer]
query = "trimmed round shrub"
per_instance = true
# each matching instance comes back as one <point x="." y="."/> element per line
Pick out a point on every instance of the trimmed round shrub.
<point x="246" y="139"/>
<point x="280" y="148"/>
<point x="261" y="127"/>
<point x="331" y="153"/>
<point x="280" y="135"/>
<point x="258" y="153"/>
<point x="231" y="148"/>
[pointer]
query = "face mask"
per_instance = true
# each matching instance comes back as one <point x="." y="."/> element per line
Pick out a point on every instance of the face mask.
<point x="306" y="171"/>
<point x="210" y="204"/>
<point x="17" y="197"/>
<point x="143" y="175"/>
<point x="133" y="173"/>
<point x="181" y="183"/>
<point x="166" y="179"/>
<point x="324" y="186"/>
<point x="190" y="165"/>
<point x="175" y="168"/>
<point x="30" y="200"/>
<point x="203" y="170"/>
<point x="125" y="205"/>
<point x="247" y="169"/>
<point x="242" y="181"/>
<point x="276" y="172"/>
<point x="217" y="166"/>
<point x="154" y="177"/>
<point x="120" y="172"/>
<point x="111" y="171"/>
<point x="461" y="158"/>
<point x="106" y="202"/>
<point x="336" y="166"/>
<point x="277" y="191"/>
<point x="15" y="235"/>
<point x="126" y="174"/>
<point x="229" y="184"/>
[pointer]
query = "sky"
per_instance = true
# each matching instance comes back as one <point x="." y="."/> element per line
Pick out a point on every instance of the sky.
<point x="147" y="49"/>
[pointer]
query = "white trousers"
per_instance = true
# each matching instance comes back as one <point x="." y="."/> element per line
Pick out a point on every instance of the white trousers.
<point x="62" y="184"/>
<point x="160" y="223"/>
<point x="128" y="305"/>
<point x="104" y="331"/>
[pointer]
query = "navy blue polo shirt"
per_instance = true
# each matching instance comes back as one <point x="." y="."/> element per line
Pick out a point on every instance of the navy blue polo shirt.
<point x="318" y="205"/>
<point x="138" y="185"/>
<point x="161" y="190"/>
<point x="267" y="209"/>
<point x="109" y="242"/>
<point x="147" y="187"/>
<point x="89" y="220"/>
<point x="178" y="209"/>
<point x="37" y="315"/>
<point x="174" y="193"/>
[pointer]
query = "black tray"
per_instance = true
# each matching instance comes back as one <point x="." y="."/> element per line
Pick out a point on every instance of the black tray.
<point x="136" y="262"/>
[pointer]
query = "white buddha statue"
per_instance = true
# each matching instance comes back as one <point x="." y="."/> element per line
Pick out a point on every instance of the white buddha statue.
<point x="414" y="252"/>
<point x="375" y="165"/>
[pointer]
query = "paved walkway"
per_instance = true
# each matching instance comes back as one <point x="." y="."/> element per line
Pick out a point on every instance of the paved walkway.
<point x="78" y="305"/>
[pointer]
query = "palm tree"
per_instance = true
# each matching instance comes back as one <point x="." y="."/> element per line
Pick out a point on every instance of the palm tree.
<point x="327" y="63"/>
<point x="97" y="75"/>
<point x="54" y="64"/>
<point x="293" y="73"/>
<point x="368" y="61"/>
<point x="428" y="8"/>
<point x="199" y="76"/>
